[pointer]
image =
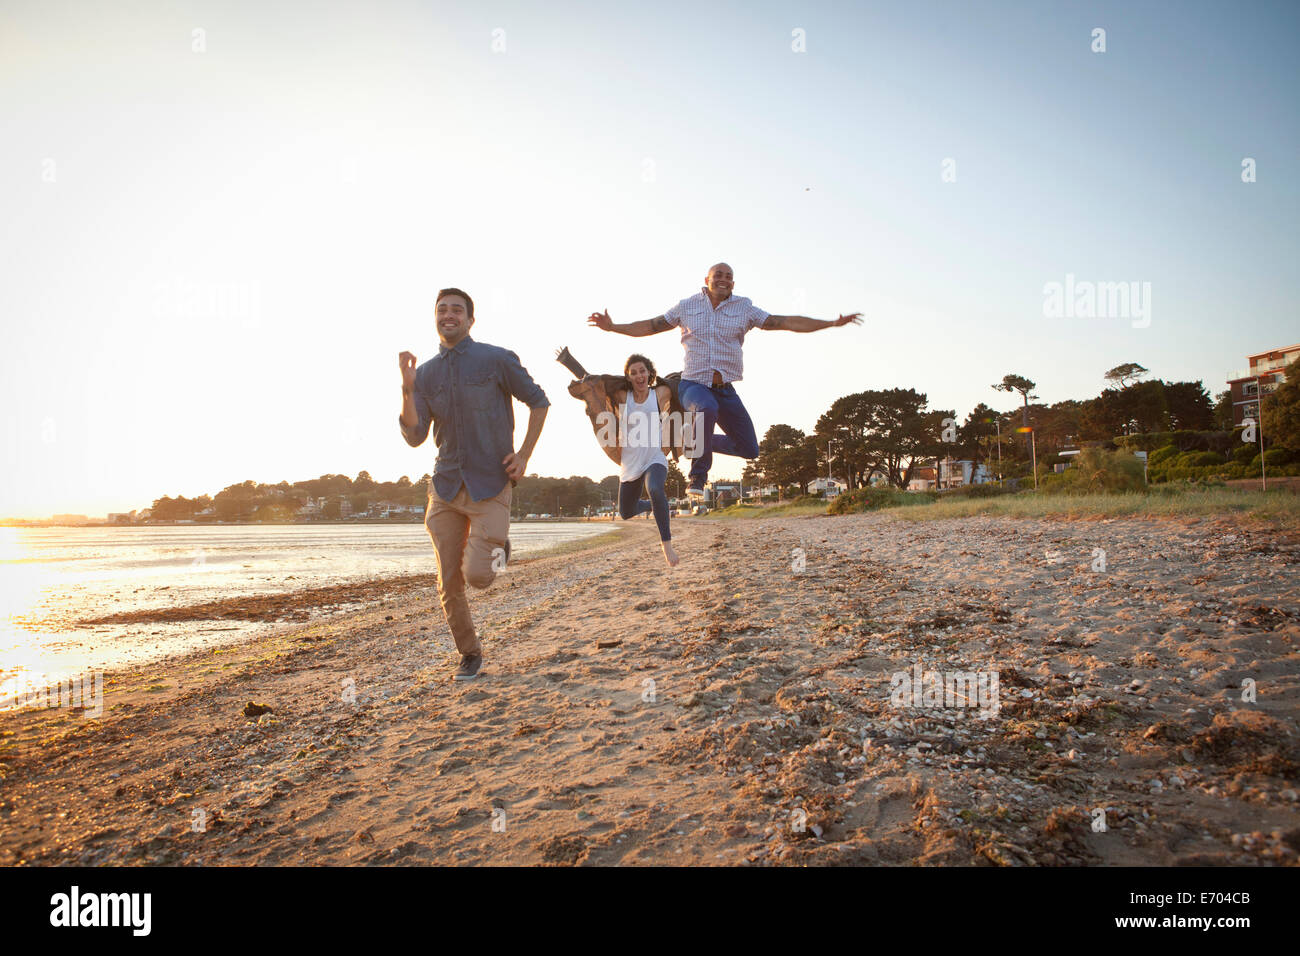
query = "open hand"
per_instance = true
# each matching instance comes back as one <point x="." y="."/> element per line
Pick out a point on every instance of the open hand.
<point x="601" y="320"/>
<point x="855" y="318"/>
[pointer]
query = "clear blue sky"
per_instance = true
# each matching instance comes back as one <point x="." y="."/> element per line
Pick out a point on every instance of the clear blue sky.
<point x="236" y="243"/>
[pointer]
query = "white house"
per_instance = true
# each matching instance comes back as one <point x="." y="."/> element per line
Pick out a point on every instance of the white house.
<point x="830" y="487"/>
<point x="955" y="474"/>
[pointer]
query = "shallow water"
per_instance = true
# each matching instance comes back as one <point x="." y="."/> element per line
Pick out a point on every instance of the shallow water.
<point x="52" y="578"/>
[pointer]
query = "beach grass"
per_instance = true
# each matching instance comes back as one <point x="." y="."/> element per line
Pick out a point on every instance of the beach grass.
<point x="746" y="510"/>
<point x="1280" y="506"/>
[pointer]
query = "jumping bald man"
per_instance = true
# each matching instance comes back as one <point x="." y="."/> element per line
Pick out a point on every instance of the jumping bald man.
<point x="714" y="324"/>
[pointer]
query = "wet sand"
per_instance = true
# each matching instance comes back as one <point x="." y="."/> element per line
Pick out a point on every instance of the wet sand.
<point x="734" y="710"/>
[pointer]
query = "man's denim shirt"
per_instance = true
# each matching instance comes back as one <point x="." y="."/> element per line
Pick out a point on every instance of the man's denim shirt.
<point x="464" y="392"/>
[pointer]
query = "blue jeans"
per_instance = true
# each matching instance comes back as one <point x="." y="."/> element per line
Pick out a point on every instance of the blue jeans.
<point x="720" y="405"/>
<point x="631" y="504"/>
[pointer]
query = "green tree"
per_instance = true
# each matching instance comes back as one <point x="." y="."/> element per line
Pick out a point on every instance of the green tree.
<point x="785" y="457"/>
<point x="1124" y="375"/>
<point x="1189" y="407"/>
<point x="891" y="429"/>
<point x="1144" y="408"/>
<point x="843" y="424"/>
<point x="1055" y="426"/>
<point x="979" y="435"/>
<point x="236" y="502"/>
<point x="1223" y="410"/>
<point x="1103" y="417"/>
<point x="609" y="487"/>
<point x="675" y="483"/>
<point x="1018" y="383"/>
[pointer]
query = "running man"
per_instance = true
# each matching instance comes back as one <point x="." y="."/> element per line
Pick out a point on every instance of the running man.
<point x="714" y="324"/>
<point x="464" y="392"/>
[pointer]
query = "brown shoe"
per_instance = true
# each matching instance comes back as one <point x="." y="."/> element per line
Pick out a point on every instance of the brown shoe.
<point x="469" y="665"/>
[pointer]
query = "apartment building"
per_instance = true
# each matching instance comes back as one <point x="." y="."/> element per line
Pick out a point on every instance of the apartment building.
<point x="1266" y="371"/>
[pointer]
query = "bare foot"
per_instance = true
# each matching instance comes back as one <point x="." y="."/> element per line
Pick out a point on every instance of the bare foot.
<point x="669" y="554"/>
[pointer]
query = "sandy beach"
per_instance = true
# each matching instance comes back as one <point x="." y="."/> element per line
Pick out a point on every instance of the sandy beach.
<point x="734" y="710"/>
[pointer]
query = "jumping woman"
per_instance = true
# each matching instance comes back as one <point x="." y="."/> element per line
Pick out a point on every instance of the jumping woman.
<point x="643" y="459"/>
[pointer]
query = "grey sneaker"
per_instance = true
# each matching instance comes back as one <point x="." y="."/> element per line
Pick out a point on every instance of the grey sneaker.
<point x="695" y="489"/>
<point x="469" y="665"/>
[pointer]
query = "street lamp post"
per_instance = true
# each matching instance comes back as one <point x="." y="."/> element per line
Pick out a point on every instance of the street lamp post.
<point x="848" y="471"/>
<point x="1033" y="448"/>
<point x="998" y="424"/>
<point x="1259" y="425"/>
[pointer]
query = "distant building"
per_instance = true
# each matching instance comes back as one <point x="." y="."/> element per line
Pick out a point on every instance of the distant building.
<point x="724" y="493"/>
<point x="830" y="487"/>
<point x="1266" y="371"/>
<point x="957" y="474"/>
<point x="948" y="473"/>
<point x="69" y="519"/>
<point x="923" y="478"/>
<point x="396" y="511"/>
<point x="121" y="517"/>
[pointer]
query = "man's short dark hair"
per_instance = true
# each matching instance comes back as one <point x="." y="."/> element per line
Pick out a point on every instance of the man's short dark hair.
<point x="469" y="303"/>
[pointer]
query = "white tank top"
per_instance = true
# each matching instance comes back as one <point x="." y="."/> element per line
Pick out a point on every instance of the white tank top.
<point x="639" y="436"/>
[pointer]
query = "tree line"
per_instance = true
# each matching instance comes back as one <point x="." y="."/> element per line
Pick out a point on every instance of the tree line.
<point x="893" y="432"/>
<point x="886" y="432"/>
<point x="256" y="501"/>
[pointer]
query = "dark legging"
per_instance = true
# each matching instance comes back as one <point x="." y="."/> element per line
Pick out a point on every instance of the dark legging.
<point x="631" y="504"/>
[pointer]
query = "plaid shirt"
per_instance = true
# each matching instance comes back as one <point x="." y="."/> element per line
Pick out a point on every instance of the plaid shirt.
<point x="713" y="337"/>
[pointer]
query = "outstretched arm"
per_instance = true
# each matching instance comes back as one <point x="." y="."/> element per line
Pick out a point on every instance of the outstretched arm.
<point x="601" y="320"/>
<point x="801" y="323"/>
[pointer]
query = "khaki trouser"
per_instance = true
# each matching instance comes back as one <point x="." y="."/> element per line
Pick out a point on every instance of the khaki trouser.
<point x="465" y="535"/>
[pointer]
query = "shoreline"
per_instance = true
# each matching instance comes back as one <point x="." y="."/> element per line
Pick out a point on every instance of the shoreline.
<point x="147" y="635"/>
<point x="769" y="703"/>
<point x="297" y="605"/>
<point x="39" y="523"/>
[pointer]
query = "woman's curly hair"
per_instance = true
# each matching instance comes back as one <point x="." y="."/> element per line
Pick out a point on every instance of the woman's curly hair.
<point x="649" y="367"/>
